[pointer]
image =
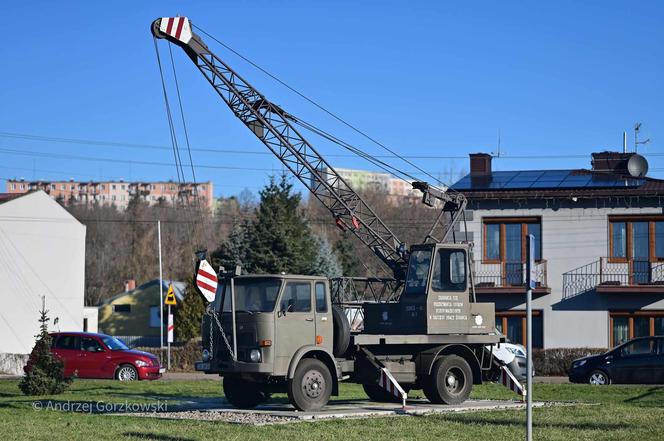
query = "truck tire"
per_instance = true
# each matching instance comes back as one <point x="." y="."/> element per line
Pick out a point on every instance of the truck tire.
<point x="450" y="381"/>
<point x="243" y="394"/>
<point x="380" y="395"/>
<point x="341" y="329"/>
<point x="311" y="386"/>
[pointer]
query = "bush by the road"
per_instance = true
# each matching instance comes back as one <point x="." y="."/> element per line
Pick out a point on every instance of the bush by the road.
<point x="557" y="361"/>
<point x="182" y="357"/>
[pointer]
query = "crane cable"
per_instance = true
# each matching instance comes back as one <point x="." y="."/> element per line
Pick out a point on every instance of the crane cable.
<point x="171" y="126"/>
<point x="184" y="124"/>
<point x="319" y="106"/>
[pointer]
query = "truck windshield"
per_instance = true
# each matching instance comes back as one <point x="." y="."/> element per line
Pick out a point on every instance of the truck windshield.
<point x="253" y="295"/>
<point x="418" y="272"/>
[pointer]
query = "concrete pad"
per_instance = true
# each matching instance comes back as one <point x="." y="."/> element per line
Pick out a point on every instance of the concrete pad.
<point x="279" y="413"/>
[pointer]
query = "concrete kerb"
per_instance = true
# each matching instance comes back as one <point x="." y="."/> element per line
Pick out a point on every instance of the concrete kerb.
<point x="357" y="409"/>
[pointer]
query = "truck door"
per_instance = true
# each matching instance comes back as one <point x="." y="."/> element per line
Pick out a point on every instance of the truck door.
<point x="324" y="326"/>
<point x="295" y="326"/>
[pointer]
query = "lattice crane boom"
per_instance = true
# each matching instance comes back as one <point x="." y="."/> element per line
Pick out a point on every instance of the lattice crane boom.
<point x="275" y="128"/>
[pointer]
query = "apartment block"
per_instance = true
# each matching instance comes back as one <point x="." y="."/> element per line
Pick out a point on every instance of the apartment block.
<point x="118" y="193"/>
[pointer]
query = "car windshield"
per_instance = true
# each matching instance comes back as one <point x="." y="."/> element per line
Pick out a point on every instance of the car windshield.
<point x="254" y="295"/>
<point x="113" y="343"/>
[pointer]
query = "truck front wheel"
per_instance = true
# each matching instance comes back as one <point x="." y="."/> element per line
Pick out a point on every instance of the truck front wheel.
<point x="242" y="393"/>
<point x="450" y="381"/>
<point x="311" y="386"/>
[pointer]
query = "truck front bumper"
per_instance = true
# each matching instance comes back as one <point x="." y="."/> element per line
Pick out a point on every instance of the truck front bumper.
<point x="233" y="367"/>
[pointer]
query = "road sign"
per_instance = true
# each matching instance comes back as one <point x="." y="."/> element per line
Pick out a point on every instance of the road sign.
<point x="170" y="297"/>
<point x="206" y="280"/>
<point x="171" y="328"/>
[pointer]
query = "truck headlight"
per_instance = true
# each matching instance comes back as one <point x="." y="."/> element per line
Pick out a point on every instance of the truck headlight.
<point x="206" y="355"/>
<point x="255" y="355"/>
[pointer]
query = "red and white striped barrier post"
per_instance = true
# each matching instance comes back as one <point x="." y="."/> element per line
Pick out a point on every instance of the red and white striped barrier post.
<point x="508" y="380"/>
<point x="392" y="386"/>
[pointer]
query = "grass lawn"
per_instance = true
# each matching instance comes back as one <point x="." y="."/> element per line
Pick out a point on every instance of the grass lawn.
<point x="621" y="413"/>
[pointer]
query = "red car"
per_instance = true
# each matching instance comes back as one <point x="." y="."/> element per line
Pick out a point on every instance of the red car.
<point x="88" y="355"/>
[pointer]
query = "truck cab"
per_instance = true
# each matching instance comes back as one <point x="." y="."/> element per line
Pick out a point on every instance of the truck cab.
<point x="280" y="320"/>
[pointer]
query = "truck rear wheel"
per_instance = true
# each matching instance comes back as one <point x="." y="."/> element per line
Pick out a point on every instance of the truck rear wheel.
<point x="450" y="381"/>
<point x="242" y="393"/>
<point x="311" y="386"/>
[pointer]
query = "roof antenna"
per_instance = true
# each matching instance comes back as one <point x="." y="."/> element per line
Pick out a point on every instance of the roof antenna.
<point x="497" y="154"/>
<point x="637" y="129"/>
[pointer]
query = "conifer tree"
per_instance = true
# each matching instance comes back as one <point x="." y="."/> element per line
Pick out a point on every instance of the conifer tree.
<point x="46" y="373"/>
<point x="347" y="256"/>
<point x="326" y="262"/>
<point x="189" y="313"/>
<point x="280" y="239"/>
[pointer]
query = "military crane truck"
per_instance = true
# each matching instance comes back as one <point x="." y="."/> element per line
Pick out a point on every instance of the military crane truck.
<point x="282" y="333"/>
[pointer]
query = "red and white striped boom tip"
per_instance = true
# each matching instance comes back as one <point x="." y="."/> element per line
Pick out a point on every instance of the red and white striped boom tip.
<point x="178" y="28"/>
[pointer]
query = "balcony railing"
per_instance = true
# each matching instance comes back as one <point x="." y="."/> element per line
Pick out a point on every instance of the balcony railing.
<point x="505" y="276"/>
<point x="611" y="275"/>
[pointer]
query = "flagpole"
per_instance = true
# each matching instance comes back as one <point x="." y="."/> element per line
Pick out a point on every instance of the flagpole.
<point x="161" y="291"/>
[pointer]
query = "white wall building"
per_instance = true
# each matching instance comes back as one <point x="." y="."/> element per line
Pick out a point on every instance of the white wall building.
<point x="599" y="246"/>
<point x="42" y="254"/>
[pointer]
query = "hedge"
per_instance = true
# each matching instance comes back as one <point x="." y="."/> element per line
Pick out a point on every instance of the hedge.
<point x="557" y="361"/>
<point x="183" y="357"/>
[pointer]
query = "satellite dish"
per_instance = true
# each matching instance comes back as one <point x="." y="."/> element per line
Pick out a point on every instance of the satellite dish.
<point x="637" y="166"/>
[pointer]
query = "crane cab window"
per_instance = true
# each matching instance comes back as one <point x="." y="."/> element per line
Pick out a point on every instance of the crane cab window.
<point x="418" y="272"/>
<point x="449" y="270"/>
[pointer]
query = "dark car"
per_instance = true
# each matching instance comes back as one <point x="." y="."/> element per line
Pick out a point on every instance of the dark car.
<point x="89" y="355"/>
<point x="637" y="361"/>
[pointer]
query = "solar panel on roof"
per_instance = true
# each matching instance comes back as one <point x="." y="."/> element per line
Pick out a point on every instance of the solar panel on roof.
<point x="543" y="179"/>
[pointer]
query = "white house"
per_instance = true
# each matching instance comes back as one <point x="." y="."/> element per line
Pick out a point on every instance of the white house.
<point x="599" y="236"/>
<point x="42" y="255"/>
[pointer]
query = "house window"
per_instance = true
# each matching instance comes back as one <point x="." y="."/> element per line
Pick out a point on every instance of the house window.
<point x="636" y="238"/>
<point x="125" y="309"/>
<point x="52" y="186"/>
<point x="155" y="322"/>
<point x="505" y="238"/>
<point x="62" y="187"/>
<point x="512" y="324"/>
<point x="505" y="244"/>
<point x="628" y="325"/>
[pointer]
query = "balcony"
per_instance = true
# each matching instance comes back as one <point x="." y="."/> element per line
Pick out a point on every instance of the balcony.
<point x="607" y="275"/>
<point x="508" y="278"/>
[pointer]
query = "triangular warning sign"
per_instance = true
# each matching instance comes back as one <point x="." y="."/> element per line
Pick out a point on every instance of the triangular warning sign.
<point x="170" y="297"/>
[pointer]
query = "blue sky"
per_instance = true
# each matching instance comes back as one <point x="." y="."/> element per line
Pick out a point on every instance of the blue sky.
<point x="425" y="78"/>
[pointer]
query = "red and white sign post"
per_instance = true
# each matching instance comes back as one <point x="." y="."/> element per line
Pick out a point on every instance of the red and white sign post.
<point x="206" y="280"/>
<point x="171" y="328"/>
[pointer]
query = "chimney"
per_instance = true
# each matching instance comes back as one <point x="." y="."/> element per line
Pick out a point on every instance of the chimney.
<point x="480" y="165"/>
<point x="611" y="162"/>
<point x="130" y="285"/>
